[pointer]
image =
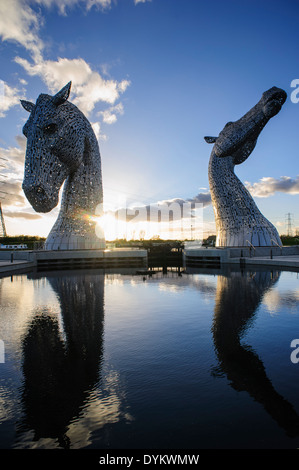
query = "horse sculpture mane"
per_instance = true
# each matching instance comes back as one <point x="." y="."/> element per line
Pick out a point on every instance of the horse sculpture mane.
<point x="62" y="147"/>
<point x="238" y="220"/>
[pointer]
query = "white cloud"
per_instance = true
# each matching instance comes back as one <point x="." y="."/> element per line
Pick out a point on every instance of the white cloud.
<point x="98" y="3"/>
<point x="63" y="5"/>
<point x="96" y="89"/>
<point x="88" y="86"/>
<point x="13" y="201"/>
<point x="19" y="23"/>
<point x="9" y="97"/>
<point x="97" y="130"/>
<point x="12" y="159"/>
<point x="267" y="186"/>
<point x="57" y="73"/>
<point x="110" y="115"/>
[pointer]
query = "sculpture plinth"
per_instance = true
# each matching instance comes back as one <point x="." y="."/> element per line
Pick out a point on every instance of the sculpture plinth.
<point x="238" y="219"/>
<point x="62" y="148"/>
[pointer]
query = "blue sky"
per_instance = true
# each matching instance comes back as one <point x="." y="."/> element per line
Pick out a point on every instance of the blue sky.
<point x="154" y="77"/>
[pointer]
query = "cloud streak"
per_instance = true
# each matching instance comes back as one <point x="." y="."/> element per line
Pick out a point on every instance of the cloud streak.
<point x="268" y="186"/>
<point x="9" y="97"/>
<point x="166" y="210"/>
<point x="20" y="23"/>
<point x="181" y="208"/>
<point x="22" y="215"/>
<point x="12" y="169"/>
<point x="63" y="5"/>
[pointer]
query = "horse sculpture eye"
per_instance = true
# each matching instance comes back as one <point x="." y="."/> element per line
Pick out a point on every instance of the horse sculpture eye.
<point x="50" y="128"/>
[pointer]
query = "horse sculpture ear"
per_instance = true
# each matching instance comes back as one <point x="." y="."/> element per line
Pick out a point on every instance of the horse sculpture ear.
<point x="27" y="105"/>
<point x="210" y="140"/>
<point x="62" y="95"/>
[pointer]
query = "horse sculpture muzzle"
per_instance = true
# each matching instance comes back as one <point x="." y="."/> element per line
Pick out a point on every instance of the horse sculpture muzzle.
<point x="38" y="196"/>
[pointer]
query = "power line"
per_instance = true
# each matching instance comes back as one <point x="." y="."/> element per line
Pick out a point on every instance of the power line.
<point x="2" y="224"/>
<point x="289" y="224"/>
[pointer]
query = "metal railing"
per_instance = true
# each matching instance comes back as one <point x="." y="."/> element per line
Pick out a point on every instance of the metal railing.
<point x="279" y="246"/>
<point x="251" y="246"/>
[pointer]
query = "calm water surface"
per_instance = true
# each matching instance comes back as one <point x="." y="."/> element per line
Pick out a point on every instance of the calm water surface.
<point x="198" y="360"/>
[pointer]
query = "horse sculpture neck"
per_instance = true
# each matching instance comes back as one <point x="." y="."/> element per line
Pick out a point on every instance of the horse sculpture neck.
<point x="81" y="200"/>
<point x="61" y="146"/>
<point x="83" y="187"/>
<point x="238" y="220"/>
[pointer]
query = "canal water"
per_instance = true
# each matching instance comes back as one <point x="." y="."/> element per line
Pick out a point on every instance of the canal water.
<point x="202" y="359"/>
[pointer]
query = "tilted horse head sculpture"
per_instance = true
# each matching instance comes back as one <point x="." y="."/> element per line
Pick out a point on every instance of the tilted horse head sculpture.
<point x="238" y="220"/>
<point x="61" y="145"/>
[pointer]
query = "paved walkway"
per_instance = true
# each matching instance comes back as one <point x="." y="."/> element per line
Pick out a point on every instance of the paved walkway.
<point x="278" y="261"/>
<point x="6" y="266"/>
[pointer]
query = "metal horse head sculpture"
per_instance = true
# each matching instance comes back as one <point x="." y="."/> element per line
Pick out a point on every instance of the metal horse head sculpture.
<point x="61" y="146"/>
<point x="238" y="219"/>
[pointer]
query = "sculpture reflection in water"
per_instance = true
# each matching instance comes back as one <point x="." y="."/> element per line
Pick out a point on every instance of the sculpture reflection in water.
<point x="237" y="299"/>
<point x="62" y="365"/>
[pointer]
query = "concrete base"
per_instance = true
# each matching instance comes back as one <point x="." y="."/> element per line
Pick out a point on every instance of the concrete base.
<point x="75" y="258"/>
<point x="205" y="256"/>
<point x="284" y="257"/>
<point x="7" y="267"/>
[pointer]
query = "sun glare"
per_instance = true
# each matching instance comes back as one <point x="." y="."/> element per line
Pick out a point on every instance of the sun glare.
<point x="112" y="227"/>
<point x="116" y="228"/>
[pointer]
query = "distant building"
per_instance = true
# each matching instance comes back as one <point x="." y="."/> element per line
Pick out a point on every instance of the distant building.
<point x="13" y="247"/>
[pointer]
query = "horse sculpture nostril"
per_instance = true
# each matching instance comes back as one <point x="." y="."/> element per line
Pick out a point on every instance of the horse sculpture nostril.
<point x="40" y="192"/>
<point x="275" y="94"/>
<point x="33" y="190"/>
<point x="38" y="197"/>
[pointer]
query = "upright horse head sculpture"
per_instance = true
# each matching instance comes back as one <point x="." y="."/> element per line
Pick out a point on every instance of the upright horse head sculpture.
<point x="238" y="220"/>
<point x="61" y="145"/>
